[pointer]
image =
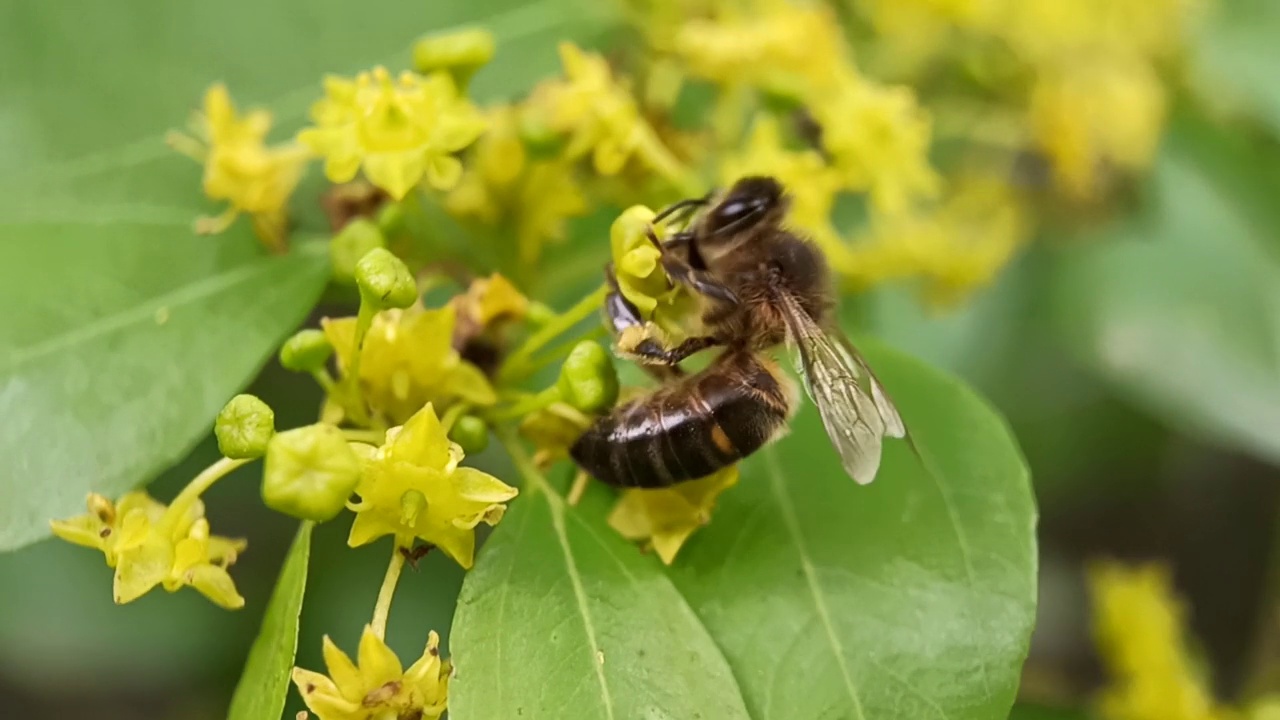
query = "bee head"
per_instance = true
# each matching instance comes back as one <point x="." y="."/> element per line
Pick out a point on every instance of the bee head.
<point x="751" y="201"/>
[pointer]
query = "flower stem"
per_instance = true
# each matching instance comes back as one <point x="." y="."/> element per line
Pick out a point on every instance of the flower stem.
<point x="530" y="403"/>
<point x="383" y="607"/>
<point x="517" y="366"/>
<point x="194" y="489"/>
<point x="351" y="380"/>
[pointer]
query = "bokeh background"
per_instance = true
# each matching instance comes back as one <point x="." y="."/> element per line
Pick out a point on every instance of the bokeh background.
<point x="1132" y="341"/>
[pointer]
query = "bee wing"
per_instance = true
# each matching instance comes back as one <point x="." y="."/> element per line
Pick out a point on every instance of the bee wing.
<point x="855" y="409"/>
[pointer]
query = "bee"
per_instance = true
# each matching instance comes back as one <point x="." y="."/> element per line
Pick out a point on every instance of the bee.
<point x="761" y="286"/>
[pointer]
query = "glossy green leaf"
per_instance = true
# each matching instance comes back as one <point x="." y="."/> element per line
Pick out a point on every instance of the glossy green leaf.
<point x="123" y="333"/>
<point x="1180" y="308"/>
<point x="561" y="618"/>
<point x="1236" y="53"/>
<point x="119" y="352"/>
<point x="263" y="685"/>
<point x="912" y="597"/>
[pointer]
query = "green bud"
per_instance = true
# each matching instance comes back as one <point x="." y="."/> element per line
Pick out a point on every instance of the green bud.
<point x="385" y="281"/>
<point x="539" y="313"/>
<point x="588" y="380"/>
<point x="310" y="472"/>
<point x="471" y="433"/>
<point x="307" y="351"/>
<point x="244" y="427"/>
<point x="353" y="242"/>
<point x="459" y="52"/>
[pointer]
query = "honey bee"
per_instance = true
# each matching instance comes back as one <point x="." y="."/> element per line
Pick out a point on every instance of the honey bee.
<point x="761" y="286"/>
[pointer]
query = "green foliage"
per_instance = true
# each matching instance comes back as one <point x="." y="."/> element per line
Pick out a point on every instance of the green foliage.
<point x="1180" y="306"/>
<point x="261" y="692"/>
<point x="822" y="596"/>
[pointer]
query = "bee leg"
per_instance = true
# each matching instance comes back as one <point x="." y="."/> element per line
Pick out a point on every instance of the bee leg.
<point x="649" y="351"/>
<point x="679" y="270"/>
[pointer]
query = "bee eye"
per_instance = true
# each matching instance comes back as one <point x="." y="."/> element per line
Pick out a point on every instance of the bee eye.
<point x="734" y="213"/>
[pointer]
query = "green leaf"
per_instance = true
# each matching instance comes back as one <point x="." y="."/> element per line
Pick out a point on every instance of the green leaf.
<point x="125" y="333"/>
<point x="1180" y="308"/>
<point x="120" y="352"/>
<point x="260" y="694"/>
<point x="562" y="618"/>
<point x="912" y="597"/>
<point x="1236" y="53"/>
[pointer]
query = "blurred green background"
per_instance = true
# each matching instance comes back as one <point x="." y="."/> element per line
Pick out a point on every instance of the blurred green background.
<point x="1137" y="360"/>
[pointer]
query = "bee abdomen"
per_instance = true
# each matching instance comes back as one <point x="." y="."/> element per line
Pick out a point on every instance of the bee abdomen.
<point x="688" y="431"/>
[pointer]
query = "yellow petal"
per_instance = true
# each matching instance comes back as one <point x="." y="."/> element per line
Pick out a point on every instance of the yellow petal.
<point x="443" y="172"/>
<point x="86" y="530"/>
<point x="467" y="382"/>
<point x="216" y="584"/>
<point x="378" y="665"/>
<point x="667" y="544"/>
<point x="367" y="527"/>
<point x="421" y="441"/>
<point x="478" y="486"/>
<point x="457" y="543"/>
<point x="396" y="173"/>
<point x="141" y="568"/>
<point x="344" y="673"/>
<point x="322" y="697"/>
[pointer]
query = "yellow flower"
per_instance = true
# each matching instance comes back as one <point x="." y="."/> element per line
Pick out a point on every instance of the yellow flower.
<point x="409" y="360"/>
<point x="491" y="300"/>
<point x="599" y="114"/>
<point x="503" y="185"/>
<point x="780" y="46"/>
<point x="150" y="544"/>
<point x="398" y="130"/>
<point x="1091" y="113"/>
<point x="878" y="138"/>
<point x="953" y="248"/>
<point x="642" y="280"/>
<point x="376" y="686"/>
<point x="553" y="430"/>
<point x="239" y="167"/>
<point x="1138" y="624"/>
<point x="664" y="519"/>
<point x="412" y="487"/>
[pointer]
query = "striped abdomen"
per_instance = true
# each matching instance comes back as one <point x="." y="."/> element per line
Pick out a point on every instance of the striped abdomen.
<point x="690" y="429"/>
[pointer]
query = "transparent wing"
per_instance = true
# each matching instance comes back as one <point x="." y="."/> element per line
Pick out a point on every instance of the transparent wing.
<point x="855" y="409"/>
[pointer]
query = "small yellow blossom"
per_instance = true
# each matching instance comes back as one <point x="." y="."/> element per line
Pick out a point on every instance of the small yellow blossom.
<point x="503" y="185"/>
<point x="240" y="168"/>
<point x="409" y="360"/>
<point x="1093" y="113"/>
<point x="376" y="686"/>
<point x="779" y="45"/>
<point x="412" y="487"/>
<point x="641" y="279"/>
<point x="878" y="138"/>
<point x="1139" y="626"/>
<point x="553" y="430"/>
<point x="491" y="300"/>
<point x="150" y="544"/>
<point x="953" y="249"/>
<point x="398" y="130"/>
<point x="664" y="519"/>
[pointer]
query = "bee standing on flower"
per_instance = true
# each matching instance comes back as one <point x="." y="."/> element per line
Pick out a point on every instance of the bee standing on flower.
<point x="761" y="285"/>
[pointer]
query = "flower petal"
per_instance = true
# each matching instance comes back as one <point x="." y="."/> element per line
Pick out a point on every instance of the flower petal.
<point x="344" y="673"/>
<point x="216" y="584"/>
<point x="377" y="663"/>
<point x="444" y="171"/>
<point x="322" y="697"/>
<point x="141" y="568"/>
<point x="467" y="382"/>
<point x="479" y="486"/>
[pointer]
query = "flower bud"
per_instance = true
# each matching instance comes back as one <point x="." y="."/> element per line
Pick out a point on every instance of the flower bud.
<point x="459" y="52"/>
<point x="588" y="380"/>
<point x="310" y="472"/>
<point x="385" y="281"/>
<point x="471" y="433"/>
<point x="244" y="427"/>
<point x="307" y="351"/>
<point x="352" y="243"/>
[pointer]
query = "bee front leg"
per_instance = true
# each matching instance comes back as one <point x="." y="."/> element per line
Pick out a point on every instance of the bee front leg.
<point x="650" y="351"/>
<point x="679" y="270"/>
